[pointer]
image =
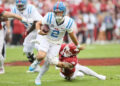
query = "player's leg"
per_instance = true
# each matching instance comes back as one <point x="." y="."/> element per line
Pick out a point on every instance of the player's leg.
<point x="43" y="69"/>
<point x="50" y="59"/>
<point x="90" y="72"/>
<point x="1" y="47"/>
<point x="42" y="52"/>
<point x="28" y="46"/>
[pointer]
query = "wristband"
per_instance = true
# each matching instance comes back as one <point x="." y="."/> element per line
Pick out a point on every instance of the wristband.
<point x="38" y="31"/>
<point x="24" y="19"/>
<point x="78" y="46"/>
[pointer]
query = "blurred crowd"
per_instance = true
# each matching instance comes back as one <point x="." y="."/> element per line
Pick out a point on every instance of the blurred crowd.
<point x="97" y="21"/>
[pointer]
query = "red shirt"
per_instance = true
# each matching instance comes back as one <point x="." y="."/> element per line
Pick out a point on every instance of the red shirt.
<point x="103" y="7"/>
<point x="87" y="8"/>
<point x="73" y="60"/>
<point x="1" y="11"/>
<point x="18" y="27"/>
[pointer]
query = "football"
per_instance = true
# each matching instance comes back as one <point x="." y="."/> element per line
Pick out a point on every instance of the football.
<point x="45" y="28"/>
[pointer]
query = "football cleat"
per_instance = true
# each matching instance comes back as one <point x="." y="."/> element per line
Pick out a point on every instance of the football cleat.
<point x="101" y="77"/>
<point x="2" y="71"/>
<point x="37" y="81"/>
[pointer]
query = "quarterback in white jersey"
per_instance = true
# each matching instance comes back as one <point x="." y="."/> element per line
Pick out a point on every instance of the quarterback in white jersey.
<point x="28" y="11"/>
<point x="51" y="42"/>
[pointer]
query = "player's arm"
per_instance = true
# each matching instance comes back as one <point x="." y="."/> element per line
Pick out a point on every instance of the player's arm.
<point x="32" y="27"/>
<point x="64" y="65"/>
<point x="11" y="15"/>
<point x="73" y="37"/>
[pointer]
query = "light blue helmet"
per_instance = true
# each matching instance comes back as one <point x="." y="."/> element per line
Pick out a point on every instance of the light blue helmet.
<point x="21" y="4"/>
<point x="59" y="6"/>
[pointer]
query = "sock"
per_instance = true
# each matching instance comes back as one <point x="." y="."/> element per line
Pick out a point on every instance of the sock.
<point x="30" y="56"/>
<point x="35" y="63"/>
<point x="44" y="69"/>
<point x="87" y="70"/>
<point x="1" y="62"/>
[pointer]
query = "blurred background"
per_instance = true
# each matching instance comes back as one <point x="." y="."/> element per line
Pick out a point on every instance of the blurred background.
<point x="97" y="21"/>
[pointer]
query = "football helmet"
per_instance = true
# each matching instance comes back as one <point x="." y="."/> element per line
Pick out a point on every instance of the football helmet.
<point x="59" y="8"/>
<point x="70" y="50"/>
<point x="21" y="4"/>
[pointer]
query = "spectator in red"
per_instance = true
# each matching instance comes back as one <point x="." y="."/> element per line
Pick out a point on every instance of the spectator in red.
<point x="73" y="10"/>
<point x="103" y="6"/>
<point x="86" y="7"/>
<point x="18" y="30"/>
<point x="82" y="27"/>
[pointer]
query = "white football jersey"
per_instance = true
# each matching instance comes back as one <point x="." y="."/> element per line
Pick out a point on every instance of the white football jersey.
<point x="57" y="32"/>
<point x="29" y="13"/>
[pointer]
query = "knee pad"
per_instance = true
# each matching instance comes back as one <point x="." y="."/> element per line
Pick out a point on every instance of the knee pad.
<point x="30" y="56"/>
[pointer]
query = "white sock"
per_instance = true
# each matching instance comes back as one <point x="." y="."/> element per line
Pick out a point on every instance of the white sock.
<point x="44" y="68"/>
<point x="1" y="62"/>
<point x="35" y="63"/>
<point x="87" y="70"/>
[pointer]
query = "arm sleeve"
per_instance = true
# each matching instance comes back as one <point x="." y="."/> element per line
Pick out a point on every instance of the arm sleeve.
<point x="70" y="25"/>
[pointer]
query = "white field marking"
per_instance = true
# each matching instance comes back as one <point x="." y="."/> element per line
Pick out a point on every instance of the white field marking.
<point x="90" y="47"/>
<point x="44" y="80"/>
<point x="10" y="82"/>
<point x="117" y="75"/>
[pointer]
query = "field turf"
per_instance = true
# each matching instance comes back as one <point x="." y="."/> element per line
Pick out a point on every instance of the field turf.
<point x="17" y="76"/>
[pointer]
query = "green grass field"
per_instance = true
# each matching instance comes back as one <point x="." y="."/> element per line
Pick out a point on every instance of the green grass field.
<point x="17" y="76"/>
<point x="91" y="51"/>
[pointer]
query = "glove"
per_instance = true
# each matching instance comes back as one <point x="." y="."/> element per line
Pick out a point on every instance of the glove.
<point x="27" y="22"/>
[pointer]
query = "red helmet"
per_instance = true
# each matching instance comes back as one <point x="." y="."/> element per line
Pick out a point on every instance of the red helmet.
<point x="70" y="50"/>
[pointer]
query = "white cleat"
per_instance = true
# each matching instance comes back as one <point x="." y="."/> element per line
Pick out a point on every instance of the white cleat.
<point x="101" y="77"/>
<point x="37" y="81"/>
<point x="2" y="71"/>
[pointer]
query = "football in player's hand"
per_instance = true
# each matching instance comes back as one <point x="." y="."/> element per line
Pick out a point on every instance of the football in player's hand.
<point x="45" y="28"/>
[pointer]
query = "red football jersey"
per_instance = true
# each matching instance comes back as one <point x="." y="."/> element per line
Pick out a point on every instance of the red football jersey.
<point x="1" y="11"/>
<point x="73" y="60"/>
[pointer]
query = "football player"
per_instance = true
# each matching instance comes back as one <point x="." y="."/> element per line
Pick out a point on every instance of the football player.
<point x="50" y="42"/>
<point x="4" y="15"/>
<point x="68" y="53"/>
<point x="28" y="11"/>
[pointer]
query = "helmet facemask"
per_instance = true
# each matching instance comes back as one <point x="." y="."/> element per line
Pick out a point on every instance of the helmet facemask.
<point x="59" y="16"/>
<point x="21" y="6"/>
<point x="66" y="52"/>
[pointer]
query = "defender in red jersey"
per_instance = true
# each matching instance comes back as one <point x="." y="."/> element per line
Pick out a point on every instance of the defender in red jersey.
<point x="68" y="53"/>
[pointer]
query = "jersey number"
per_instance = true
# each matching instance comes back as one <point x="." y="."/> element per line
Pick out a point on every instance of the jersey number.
<point x="55" y="33"/>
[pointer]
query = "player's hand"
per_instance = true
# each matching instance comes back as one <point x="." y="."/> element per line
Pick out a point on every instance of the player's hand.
<point x="27" y="22"/>
<point x="80" y="47"/>
<point x="68" y="65"/>
<point x="41" y="32"/>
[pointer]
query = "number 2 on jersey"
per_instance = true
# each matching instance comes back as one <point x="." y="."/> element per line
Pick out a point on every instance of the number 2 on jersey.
<point x="55" y="33"/>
